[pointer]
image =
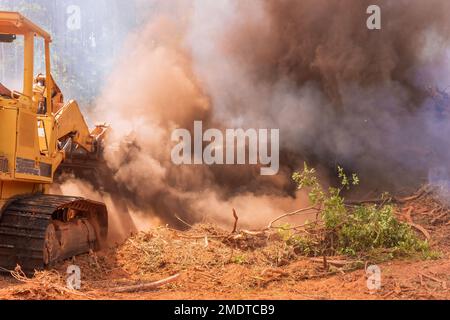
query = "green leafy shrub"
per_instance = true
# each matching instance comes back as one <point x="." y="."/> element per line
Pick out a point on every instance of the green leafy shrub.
<point x="362" y="230"/>
<point x="368" y="228"/>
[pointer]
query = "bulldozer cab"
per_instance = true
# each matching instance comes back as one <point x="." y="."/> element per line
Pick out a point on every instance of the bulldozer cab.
<point x="26" y="106"/>
<point x="21" y="35"/>
<point x="29" y="105"/>
<point x="38" y="129"/>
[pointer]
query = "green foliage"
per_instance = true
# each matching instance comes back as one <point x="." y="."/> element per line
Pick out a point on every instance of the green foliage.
<point x="302" y="245"/>
<point x="356" y="231"/>
<point x="369" y="227"/>
<point x="284" y="232"/>
<point x="305" y="246"/>
<point x="308" y="179"/>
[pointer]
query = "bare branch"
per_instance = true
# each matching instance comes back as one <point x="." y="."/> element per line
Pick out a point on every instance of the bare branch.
<point x="236" y="218"/>
<point x="182" y="221"/>
<point x="145" y="286"/>
<point x="290" y="214"/>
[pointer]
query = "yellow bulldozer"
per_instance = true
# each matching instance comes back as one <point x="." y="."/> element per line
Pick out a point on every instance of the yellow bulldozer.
<point x="37" y="129"/>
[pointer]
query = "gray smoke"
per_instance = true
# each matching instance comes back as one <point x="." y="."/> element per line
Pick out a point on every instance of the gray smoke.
<point x="340" y="93"/>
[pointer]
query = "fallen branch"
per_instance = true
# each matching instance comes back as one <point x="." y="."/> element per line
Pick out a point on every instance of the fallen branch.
<point x="290" y="214"/>
<point x="430" y="277"/>
<point x="441" y="282"/>
<point x="418" y="195"/>
<point x="439" y="217"/>
<point x="145" y="286"/>
<point x="423" y="191"/>
<point x="421" y="229"/>
<point x="198" y="237"/>
<point x="304" y="226"/>
<point x="253" y="233"/>
<point x="336" y="263"/>
<point x="410" y="221"/>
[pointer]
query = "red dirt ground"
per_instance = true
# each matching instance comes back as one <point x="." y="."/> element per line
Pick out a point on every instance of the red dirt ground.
<point x="214" y="270"/>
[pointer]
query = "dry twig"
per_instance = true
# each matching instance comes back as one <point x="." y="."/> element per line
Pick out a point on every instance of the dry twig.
<point x="421" y="229"/>
<point x="45" y="280"/>
<point x="182" y="221"/>
<point x="236" y="218"/>
<point x="145" y="286"/>
<point x="290" y="214"/>
<point x="336" y="263"/>
<point x="420" y="193"/>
